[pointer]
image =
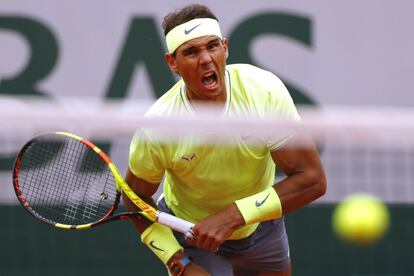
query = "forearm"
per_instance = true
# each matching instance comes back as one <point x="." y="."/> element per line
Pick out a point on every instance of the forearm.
<point x="145" y="190"/>
<point x="139" y="223"/>
<point x="304" y="183"/>
<point x="305" y="179"/>
<point x="300" y="189"/>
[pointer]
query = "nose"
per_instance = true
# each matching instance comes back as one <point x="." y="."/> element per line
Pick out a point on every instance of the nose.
<point x="205" y="58"/>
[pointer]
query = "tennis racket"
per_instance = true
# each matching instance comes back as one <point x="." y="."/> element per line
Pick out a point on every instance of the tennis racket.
<point x="66" y="181"/>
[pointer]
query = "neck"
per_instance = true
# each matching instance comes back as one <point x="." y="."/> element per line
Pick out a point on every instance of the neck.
<point x="219" y="99"/>
<point x="207" y="102"/>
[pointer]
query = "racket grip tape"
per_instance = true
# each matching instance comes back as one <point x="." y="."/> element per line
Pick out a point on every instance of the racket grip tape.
<point x="175" y="223"/>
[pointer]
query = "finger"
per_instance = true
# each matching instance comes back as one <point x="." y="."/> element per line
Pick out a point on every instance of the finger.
<point x="200" y="242"/>
<point x="191" y="240"/>
<point x="214" y="247"/>
<point x="208" y="243"/>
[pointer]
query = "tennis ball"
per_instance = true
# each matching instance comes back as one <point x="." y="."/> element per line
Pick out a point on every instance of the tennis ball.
<point x="361" y="219"/>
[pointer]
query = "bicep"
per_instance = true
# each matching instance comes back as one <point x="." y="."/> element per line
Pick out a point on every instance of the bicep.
<point x="297" y="155"/>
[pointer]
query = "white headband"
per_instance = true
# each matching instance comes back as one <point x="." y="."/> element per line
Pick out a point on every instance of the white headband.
<point x="192" y="29"/>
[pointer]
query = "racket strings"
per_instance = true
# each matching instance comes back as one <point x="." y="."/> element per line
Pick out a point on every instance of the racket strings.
<point x="34" y="184"/>
<point x="66" y="182"/>
<point x="72" y="206"/>
<point x="92" y="204"/>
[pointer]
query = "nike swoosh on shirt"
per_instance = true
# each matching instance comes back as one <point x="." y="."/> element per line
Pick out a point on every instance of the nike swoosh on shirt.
<point x="155" y="247"/>
<point x="260" y="203"/>
<point x="187" y="31"/>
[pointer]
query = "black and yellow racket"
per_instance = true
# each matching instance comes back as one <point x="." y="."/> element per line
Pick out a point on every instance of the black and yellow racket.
<point x="66" y="181"/>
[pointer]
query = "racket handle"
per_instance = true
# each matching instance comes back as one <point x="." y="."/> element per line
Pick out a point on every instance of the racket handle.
<point x="175" y="223"/>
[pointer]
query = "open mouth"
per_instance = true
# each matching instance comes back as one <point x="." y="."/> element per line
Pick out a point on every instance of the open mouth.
<point x="209" y="80"/>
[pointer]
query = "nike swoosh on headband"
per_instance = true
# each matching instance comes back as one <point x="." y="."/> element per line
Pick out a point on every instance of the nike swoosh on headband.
<point x="187" y="31"/>
<point x="260" y="203"/>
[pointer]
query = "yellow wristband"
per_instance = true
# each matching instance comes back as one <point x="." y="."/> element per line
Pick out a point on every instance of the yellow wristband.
<point x="161" y="241"/>
<point x="260" y="207"/>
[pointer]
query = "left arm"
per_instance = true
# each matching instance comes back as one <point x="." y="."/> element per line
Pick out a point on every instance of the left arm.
<point x="305" y="182"/>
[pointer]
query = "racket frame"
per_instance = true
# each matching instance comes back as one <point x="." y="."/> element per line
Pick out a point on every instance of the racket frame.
<point x="146" y="210"/>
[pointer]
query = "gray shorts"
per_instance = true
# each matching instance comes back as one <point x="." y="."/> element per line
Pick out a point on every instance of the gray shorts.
<point x="265" y="250"/>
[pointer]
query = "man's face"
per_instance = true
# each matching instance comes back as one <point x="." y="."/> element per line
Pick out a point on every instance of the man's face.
<point x="201" y="63"/>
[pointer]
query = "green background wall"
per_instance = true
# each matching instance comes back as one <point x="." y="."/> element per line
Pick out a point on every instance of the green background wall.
<point x="30" y="247"/>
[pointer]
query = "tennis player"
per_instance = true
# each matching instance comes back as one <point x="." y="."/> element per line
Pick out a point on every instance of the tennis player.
<point x="228" y="192"/>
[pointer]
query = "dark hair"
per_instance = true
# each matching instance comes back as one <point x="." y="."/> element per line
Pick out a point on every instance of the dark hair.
<point x="185" y="14"/>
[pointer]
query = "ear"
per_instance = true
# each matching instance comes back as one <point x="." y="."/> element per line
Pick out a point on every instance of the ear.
<point x="172" y="63"/>
<point x="226" y="47"/>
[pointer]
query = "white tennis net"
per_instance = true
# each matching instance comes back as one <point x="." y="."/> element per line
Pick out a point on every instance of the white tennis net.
<point x="372" y="126"/>
<point x="363" y="149"/>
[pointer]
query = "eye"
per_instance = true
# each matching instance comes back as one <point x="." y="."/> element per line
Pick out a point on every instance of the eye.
<point x="190" y="52"/>
<point x="213" y="45"/>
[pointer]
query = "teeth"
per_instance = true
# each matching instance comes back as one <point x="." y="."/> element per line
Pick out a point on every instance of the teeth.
<point x="208" y="79"/>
